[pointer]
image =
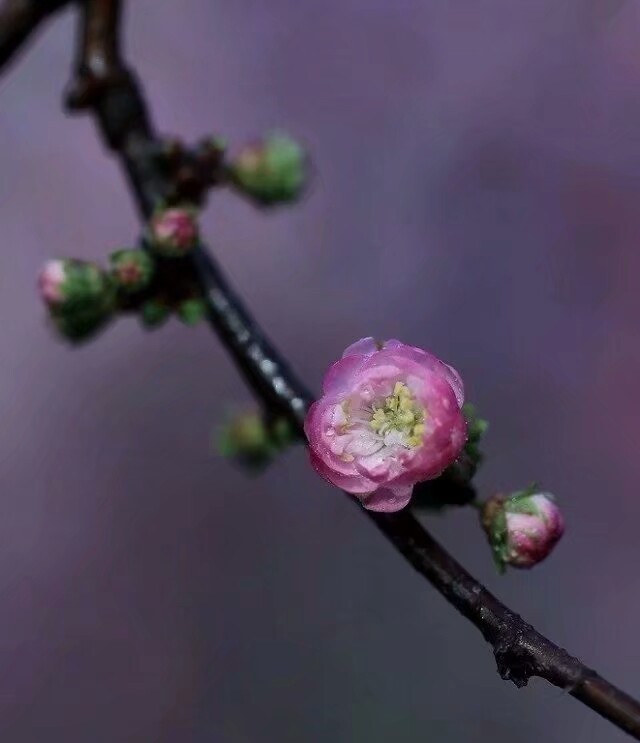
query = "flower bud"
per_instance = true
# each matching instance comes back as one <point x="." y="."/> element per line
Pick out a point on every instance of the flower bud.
<point x="173" y="232"/>
<point x="523" y="528"/>
<point x="51" y="281"/>
<point x="68" y="282"/>
<point x="271" y="171"/>
<point x="131" y="270"/>
<point x="252" y="441"/>
<point x="154" y="313"/>
<point x="191" y="311"/>
<point x="79" y="295"/>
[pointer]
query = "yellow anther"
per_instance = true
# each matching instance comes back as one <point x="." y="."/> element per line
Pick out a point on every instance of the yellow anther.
<point x="399" y="412"/>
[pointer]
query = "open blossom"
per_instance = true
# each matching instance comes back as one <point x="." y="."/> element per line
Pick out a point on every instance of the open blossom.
<point x="389" y="417"/>
<point x="174" y="231"/>
<point x="524" y="528"/>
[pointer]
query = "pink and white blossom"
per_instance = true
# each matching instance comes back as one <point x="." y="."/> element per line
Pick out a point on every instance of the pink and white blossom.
<point x="389" y="417"/>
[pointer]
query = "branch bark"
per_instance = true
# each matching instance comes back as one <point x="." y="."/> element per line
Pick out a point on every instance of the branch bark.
<point x="116" y="101"/>
<point x="19" y="19"/>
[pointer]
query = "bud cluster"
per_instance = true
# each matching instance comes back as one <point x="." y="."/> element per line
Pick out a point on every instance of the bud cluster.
<point x="82" y="297"/>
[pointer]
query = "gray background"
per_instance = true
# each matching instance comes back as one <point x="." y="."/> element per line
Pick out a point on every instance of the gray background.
<point x="477" y="191"/>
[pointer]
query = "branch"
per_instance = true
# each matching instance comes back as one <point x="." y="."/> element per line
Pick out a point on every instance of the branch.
<point x="103" y="85"/>
<point x="18" y="20"/>
<point x="521" y="652"/>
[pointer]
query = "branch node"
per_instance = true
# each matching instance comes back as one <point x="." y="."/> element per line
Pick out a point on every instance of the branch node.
<point x="514" y="659"/>
<point x="88" y="86"/>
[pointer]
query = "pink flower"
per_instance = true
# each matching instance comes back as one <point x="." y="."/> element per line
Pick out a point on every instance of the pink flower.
<point x="389" y="417"/>
<point x="50" y="282"/>
<point x="524" y="528"/>
<point x="174" y="231"/>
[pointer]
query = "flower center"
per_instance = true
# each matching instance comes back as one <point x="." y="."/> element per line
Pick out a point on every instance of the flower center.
<point x="399" y="418"/>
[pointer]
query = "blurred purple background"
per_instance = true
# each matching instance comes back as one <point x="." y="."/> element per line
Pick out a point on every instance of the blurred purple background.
<point x="477" y="193"/>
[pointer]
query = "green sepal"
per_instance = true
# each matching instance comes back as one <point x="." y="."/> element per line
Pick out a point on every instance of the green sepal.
<point x="498" y="539"/>
<point x="81" y="325"/>
<point x="153" y="314"/>
<point x="192" y="311"/>
<point x="252" y="441"/>
<point x="520" y="502"/>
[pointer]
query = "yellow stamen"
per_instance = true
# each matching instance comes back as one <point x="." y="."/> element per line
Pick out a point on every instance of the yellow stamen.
<point x="400" y="412"/>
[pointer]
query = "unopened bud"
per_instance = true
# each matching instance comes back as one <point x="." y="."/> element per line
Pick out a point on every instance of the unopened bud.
<point x="253" y="442"/>
<point x="51" y="282"/>
<point x="192" y="311"/>
<point x="131" y="270"/>
<point x="154" y="313"/>
<point x="173" y="232"/>
<point x="523" y="528"/>
<point x="271" y="171"/>
<point x="66" y="283"/>
<point x="79" y="295"/>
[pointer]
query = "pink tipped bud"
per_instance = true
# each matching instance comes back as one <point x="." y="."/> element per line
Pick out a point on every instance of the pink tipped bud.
<point x="50" y="282"/>
<point x="522" y="529"/>
<point x="173" y="232"/>
<point x="79" y="295"/>
<point x="272" y="170"/>
<point x="131" y="270"/>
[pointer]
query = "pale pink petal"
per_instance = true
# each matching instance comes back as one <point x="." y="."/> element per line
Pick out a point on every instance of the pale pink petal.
<point x="354" y="484"/>
<point x="431" y="362"/>
<point x="363" y="347"/>
<point x="387" y="500"/>
<point x="341" y="375"/>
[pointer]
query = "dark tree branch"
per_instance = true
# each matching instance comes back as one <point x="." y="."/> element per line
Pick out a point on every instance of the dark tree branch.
<point x="99" y="65"/>
<point x="115" y="99"/>
<point x="19" y="19"/>
<point x="521" y="652"/>
<point x="122" y="117"/>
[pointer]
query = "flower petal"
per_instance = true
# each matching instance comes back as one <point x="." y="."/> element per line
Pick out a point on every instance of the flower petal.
<point x="431" y="362"/>
<point x="341" y="375"/>
<point x="350" y="483"/>
<point x="363" y="347"/>
<point x="388" y="500"/>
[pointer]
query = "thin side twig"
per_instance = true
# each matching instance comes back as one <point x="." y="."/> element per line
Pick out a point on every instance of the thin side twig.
<point x="520" y="651"/>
